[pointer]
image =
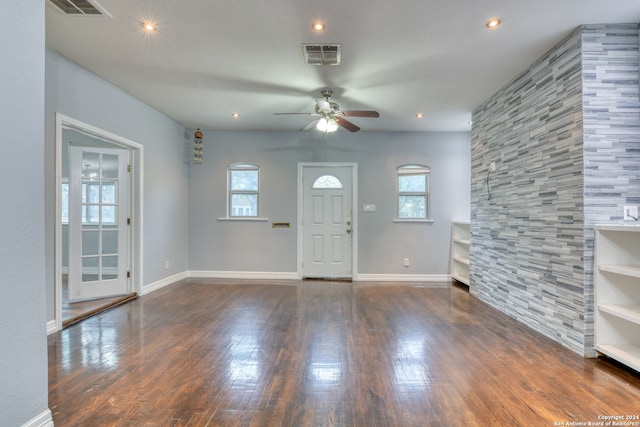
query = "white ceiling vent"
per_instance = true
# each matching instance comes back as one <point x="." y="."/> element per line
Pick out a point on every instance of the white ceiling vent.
<point x="80" y="7"/>
<point x="321" y="54"/>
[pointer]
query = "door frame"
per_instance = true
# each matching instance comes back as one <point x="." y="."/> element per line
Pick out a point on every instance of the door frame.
<point x="354" y="213"/>
<point x="135" y="202"/>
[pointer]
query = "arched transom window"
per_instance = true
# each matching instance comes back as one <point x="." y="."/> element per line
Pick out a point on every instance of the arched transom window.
<point x="327" y="182"/>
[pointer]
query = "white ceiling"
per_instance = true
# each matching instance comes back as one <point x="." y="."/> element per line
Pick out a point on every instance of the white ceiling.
<point x="209" y="59"/>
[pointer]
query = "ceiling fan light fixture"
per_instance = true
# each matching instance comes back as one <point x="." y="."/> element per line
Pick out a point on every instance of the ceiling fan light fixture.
<point x="327" y="125"/>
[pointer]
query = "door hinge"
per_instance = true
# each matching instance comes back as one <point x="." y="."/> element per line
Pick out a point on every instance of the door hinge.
<point x="128" y="221"/>
<point x="128" y="168"/>
<point x="128" y="274"/>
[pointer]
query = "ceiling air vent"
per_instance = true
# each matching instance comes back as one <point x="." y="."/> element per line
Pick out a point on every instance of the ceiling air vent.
<point x="80" y="7"/>
<point x="321" y="54"/>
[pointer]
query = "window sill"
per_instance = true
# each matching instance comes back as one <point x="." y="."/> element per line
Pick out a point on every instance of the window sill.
<point x="241" y="218"/>
<point x="427" y="221"/>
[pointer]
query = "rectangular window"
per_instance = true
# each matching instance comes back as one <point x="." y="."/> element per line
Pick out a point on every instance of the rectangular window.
<point x="413" y="192"/>
<point x="90" y="207"/>
<point x="243" y="190"/>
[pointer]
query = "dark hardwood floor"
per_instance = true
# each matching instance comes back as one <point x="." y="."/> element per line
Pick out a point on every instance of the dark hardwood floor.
<point x="306" y="353"/>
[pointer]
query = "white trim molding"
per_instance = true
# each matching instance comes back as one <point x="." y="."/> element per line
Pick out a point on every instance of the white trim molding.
<point x="159" y="284"/>
<point x="266" y="275"/>
<point x="136" y="203"/>
<point x="43" y="420"/>
<point x="52" y="327"/>
<point x="430" y="280"/>
<point x="426" y="280"/>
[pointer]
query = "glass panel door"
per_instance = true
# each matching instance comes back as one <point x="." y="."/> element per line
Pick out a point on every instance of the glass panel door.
<point x="98" y="229"/>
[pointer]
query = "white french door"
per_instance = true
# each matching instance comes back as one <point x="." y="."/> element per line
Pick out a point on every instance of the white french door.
<point x="327" y="223"/>
<point x="98" y="222"/>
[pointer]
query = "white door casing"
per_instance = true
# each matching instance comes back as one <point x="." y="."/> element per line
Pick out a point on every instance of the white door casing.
<point x="326" y="224"/>
<point x="98" y="222"/>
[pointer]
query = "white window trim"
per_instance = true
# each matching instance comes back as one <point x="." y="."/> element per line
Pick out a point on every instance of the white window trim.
<point x="243" y="218"/>
<point x="228" y="194"/>
<point x="427" y="195"/>
<point x="427" y="220"/>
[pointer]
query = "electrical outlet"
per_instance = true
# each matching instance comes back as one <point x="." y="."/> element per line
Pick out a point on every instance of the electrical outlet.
<point x="492" y="167"/>
<point x="406" y="262"/>
<point x="166" y="265"/>
<point x="630" y="213"/>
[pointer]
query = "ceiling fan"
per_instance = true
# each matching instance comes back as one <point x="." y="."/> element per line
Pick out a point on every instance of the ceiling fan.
<point x="330" y="117"/>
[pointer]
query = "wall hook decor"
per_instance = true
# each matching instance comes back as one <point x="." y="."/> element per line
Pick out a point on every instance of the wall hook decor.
<point x="198" y="149"/>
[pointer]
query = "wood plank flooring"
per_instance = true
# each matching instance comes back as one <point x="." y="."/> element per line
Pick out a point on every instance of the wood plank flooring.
<point x="306" y="353"/>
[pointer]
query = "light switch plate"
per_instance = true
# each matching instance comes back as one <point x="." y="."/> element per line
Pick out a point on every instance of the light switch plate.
<point x="369" y="208"/>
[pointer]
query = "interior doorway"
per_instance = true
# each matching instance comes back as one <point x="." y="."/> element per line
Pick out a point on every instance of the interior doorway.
<point x="327" y="222"/>
<point x="98" y="227"/>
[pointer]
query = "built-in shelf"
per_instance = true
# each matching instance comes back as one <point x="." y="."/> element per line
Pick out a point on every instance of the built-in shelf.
<point x="460" y="244"/>
<point x="627" y="312"/>
<point x="625" y="270"/>
<point x="617" y="285"/>
<point x="461" y="260"/>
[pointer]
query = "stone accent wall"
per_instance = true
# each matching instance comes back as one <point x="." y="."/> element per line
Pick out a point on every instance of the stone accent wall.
<point x="611" y="123"/>
<point x="527" y="223"/>
<point x="565" y="139"/>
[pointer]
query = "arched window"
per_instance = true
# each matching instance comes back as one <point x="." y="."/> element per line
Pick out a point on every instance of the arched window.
<point x="328" y="182"/>
<point x="243" y="189"/>
<point x="413" y="192"/>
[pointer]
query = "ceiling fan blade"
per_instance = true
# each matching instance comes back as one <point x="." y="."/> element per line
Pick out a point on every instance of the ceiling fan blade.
<point x="304" y="114"/>
<point x="346" y="124"/>
<point x="360" y="113"/>
<point x="310" y="125"/>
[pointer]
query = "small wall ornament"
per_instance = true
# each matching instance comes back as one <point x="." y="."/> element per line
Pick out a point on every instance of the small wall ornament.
<point x="198" y="149"/>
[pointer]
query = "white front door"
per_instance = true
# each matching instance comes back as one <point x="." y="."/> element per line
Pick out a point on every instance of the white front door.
<point x="98" y="222"/>
<point x="327" y="222"/>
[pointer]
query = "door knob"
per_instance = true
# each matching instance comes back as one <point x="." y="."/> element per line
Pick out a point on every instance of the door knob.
<point x="348" y="230"/>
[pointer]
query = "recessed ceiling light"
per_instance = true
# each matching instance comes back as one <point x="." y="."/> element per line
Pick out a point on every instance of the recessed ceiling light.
<point x="319" y="26"/>
<point x="419" y="115"/>
<point x="235" y="115"/>
<point x="148" y="26"/>
<point x="493" y="23"/>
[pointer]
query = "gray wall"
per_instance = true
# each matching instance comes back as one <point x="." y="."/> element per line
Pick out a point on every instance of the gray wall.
<point x="560" y="168"/>
<point x="255" y="246"/>
<point x="23" y="358"/>
<point x="80" y="94"/>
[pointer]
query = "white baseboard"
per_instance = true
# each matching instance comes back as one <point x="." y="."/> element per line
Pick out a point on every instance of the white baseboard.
<point x="52" y="327"/>
<point x="430" y="280"/>
<point x="151" y="287"/>
<point x="267" y="275"/>
<point x="433" y="280"/>
<point x="43" y="420"/>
